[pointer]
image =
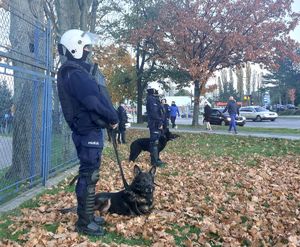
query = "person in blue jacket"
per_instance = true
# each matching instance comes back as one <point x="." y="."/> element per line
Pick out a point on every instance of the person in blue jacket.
<point x="174" y="112"/>
<point x="155" y="123"/>
<point x="87" y="110"/>
<point x="233" y="111"/>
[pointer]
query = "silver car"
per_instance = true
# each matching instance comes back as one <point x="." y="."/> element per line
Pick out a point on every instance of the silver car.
<point x="257" y="113"/>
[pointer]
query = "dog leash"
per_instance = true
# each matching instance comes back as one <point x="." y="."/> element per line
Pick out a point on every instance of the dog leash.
<point x="112" y="134"/>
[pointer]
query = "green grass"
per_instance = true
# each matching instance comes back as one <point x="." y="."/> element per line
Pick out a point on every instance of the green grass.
<point x="51" y="227"/>
<point x="208" y="146"/>
<point x="243" y="129"/>
<point x="112" y="237"/>
<point x="5" y="221"/>
<point x="181" y="234"/>
<point x="260" y="130"/>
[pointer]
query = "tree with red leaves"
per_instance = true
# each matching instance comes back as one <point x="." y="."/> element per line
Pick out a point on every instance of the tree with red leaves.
<point x="292" y="95"/>
<point x="201" y="37"/>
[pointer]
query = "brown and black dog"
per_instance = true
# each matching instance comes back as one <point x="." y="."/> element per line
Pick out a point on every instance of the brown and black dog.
<point x="136" y="200"/>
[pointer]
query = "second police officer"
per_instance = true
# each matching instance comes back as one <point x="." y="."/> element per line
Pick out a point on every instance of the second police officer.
<point x="155" y="122"/>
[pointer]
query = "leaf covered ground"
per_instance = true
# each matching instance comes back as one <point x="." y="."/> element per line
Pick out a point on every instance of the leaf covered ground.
<point x="215" y="191"/>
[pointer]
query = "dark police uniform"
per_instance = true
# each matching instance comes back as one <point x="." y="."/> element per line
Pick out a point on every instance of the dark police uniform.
<point x="123" y="119"/>
<point x="83" y="104"/>
<point x="155" y="122"/>
<point x="166" y="116"/>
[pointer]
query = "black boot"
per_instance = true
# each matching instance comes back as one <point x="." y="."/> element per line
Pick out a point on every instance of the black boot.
<point x="85" y="191"/>
<point x="123" y="137"/>
<point x="99" y="220"/>
<point x="162" y="163"/>
<point x="154" y="154"/>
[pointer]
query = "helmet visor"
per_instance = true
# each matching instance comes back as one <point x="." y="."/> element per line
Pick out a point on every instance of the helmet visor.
<point x="92" y="36"/>
<point x="88" y="48"/>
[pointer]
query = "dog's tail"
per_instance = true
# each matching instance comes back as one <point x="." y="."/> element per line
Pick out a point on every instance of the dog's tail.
<point x="68" y="210"/>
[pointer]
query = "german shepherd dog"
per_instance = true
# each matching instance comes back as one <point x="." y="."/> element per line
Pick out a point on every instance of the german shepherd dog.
<point x="143" y="144"/>
<point x="136" y="200"/>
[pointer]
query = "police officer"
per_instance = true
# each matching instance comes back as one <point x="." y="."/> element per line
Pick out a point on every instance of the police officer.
<point x="155" y="122"/>
<point x="123" y="119"/>
<point x="86" y="109"/>
<point x="166" y="115"/>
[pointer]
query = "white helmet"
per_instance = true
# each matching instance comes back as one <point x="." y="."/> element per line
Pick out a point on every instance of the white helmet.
<point x="74" y="40"/>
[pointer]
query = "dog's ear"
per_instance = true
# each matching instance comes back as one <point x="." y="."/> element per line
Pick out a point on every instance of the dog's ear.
<point x="136" y="170"/>
<point x="152" y="171"/>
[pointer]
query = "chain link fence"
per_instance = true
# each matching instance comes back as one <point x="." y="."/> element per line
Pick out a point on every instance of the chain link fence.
<point x="35" y="142"/>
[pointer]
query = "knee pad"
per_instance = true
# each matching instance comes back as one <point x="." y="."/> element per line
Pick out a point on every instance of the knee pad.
<point x="90" y="177"/>
<point x="95" y="176"/>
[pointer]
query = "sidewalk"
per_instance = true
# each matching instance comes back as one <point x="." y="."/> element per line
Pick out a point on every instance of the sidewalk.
<point x="240" y="133"/>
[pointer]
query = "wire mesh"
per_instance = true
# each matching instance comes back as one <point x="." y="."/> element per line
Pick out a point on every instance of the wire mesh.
<point x="63" y="153"/>
<point x="21" y="38"/>
<point x="35" y="142"/>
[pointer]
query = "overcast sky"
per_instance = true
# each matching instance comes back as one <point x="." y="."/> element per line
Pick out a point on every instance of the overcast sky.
<point x="296" y="33"/>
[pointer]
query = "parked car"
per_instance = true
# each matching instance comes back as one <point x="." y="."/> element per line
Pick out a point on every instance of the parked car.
<point x="257" y="113"/>
<point x="217" y="117"/>
<point x="291" y="106"/>
<point x="185" y="115"/>
<point x="279" y="107"/>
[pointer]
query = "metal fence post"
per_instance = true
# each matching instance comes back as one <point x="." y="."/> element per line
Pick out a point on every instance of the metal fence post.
<point x="47" y="108"/>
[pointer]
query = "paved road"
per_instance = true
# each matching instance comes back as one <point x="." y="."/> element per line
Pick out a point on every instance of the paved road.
<point x="280" y="122"/>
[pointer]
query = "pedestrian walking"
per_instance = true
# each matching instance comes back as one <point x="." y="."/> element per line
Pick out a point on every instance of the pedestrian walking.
<point x="233" y="111"/>
<point x="206" y="115"/>
<point x="174" y="112"/>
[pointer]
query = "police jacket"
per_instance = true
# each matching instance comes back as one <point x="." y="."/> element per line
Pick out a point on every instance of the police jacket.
<point x="154" y="111"/>
<point x="166" y="114"/>
<point x="231" y="107"/>
<point x="123" y="119"/>
<point x="167" y="110"/>
<point x="82" y="100"/>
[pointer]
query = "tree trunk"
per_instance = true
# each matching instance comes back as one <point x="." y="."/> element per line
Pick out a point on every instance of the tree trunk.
<point x="197" y="91"/>
<point x="240" y="82"/>
<point x="248" y="78"/>
<point x="139" y="100"/>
